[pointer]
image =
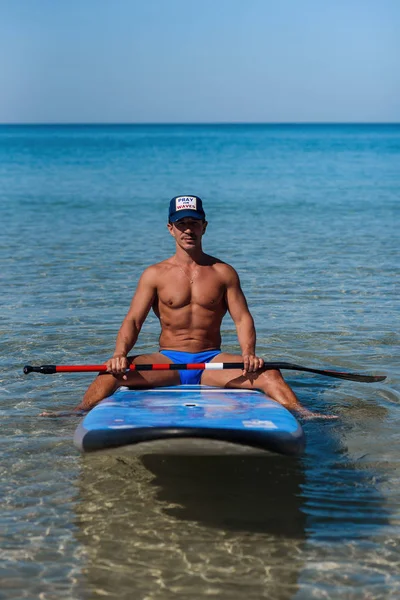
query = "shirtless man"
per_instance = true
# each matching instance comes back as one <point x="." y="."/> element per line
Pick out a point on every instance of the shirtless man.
<point x="190" y="293"/>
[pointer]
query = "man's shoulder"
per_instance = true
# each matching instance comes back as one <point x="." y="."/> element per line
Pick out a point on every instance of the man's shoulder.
<point x="157" y="269"/>
<point x="223" y="269"/>
<point x="164" y="264"/>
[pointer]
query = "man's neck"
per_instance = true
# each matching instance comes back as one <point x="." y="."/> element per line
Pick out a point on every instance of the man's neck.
<point x="190" y="256"/>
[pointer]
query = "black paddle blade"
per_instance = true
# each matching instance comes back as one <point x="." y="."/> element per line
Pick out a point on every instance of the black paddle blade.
<point x="327" y="372"/>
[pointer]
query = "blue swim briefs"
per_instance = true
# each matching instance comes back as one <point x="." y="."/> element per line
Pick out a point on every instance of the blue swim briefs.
<point x="190" y="377"/>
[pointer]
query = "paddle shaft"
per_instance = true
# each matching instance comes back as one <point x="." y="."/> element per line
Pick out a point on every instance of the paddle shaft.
<point x="50" y="369"/>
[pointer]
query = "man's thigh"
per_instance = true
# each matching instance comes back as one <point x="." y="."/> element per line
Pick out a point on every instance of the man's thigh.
<point x="229" y="377"/>
<point x="143" y="379"/>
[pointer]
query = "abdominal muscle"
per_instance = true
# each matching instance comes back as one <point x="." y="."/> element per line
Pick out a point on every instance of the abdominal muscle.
<point x="190" y="328"/>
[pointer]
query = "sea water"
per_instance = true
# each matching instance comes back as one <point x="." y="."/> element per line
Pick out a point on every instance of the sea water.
<point x="308" y="215"/>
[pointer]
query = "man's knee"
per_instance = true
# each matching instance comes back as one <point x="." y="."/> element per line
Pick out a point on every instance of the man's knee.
<point x="271" y="376"/>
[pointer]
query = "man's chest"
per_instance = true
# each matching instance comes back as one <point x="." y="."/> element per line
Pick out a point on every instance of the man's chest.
<point x="204" y="290"/>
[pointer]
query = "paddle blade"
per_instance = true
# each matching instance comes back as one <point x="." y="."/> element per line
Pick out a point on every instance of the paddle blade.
<point x="327" y="372"/>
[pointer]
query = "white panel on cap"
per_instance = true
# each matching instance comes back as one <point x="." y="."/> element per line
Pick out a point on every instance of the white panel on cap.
<point x="186" y="202"/>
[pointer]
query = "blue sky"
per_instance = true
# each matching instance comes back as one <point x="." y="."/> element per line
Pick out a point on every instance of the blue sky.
<point x="199" y="61"/>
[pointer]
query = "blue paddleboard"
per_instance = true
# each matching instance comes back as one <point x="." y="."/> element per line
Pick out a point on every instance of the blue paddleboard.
<point x="190" y="419"/>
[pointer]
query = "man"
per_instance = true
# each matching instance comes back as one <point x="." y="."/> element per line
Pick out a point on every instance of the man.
<point x="190" y="293"/>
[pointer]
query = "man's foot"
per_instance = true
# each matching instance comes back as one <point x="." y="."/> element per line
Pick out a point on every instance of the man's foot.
<point x="309" y="415"/>
<point x="62" y="413"/>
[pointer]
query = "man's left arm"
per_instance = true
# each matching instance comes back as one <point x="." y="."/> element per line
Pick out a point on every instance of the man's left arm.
<point x="244" y="323"/>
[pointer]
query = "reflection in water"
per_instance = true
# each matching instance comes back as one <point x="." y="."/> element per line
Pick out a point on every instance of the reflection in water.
<point x="157" y="526"/>
<point x="260" y="527"/>
<point x="250" y="494"/>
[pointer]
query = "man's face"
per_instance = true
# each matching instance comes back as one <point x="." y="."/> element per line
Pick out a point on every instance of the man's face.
<point x="188" y="231"/>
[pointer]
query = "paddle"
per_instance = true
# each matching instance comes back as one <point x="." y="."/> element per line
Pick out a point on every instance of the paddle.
<point x="50" y="369"/>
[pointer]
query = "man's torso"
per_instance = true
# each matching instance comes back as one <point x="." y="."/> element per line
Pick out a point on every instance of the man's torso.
<point x="191" y="304"/>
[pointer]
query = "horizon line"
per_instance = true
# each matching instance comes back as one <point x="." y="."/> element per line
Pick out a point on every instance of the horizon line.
<point x="189" y="123"/>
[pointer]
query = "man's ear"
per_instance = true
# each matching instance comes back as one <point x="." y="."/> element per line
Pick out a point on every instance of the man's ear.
<point x="170" y="228"/>
<point x="205" y="226"/>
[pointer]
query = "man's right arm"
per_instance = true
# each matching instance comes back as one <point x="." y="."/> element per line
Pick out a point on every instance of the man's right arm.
<point x="132" y="324"/>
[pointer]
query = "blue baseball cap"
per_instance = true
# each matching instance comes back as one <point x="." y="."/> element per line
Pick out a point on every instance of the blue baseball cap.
<point x="185" y="206"/>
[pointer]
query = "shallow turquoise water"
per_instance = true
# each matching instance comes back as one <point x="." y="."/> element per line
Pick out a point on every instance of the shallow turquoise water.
<point x="309" y="217"/>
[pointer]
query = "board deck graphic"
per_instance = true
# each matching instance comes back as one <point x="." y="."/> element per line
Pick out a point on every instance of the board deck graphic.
<point x="190" y="418"/>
